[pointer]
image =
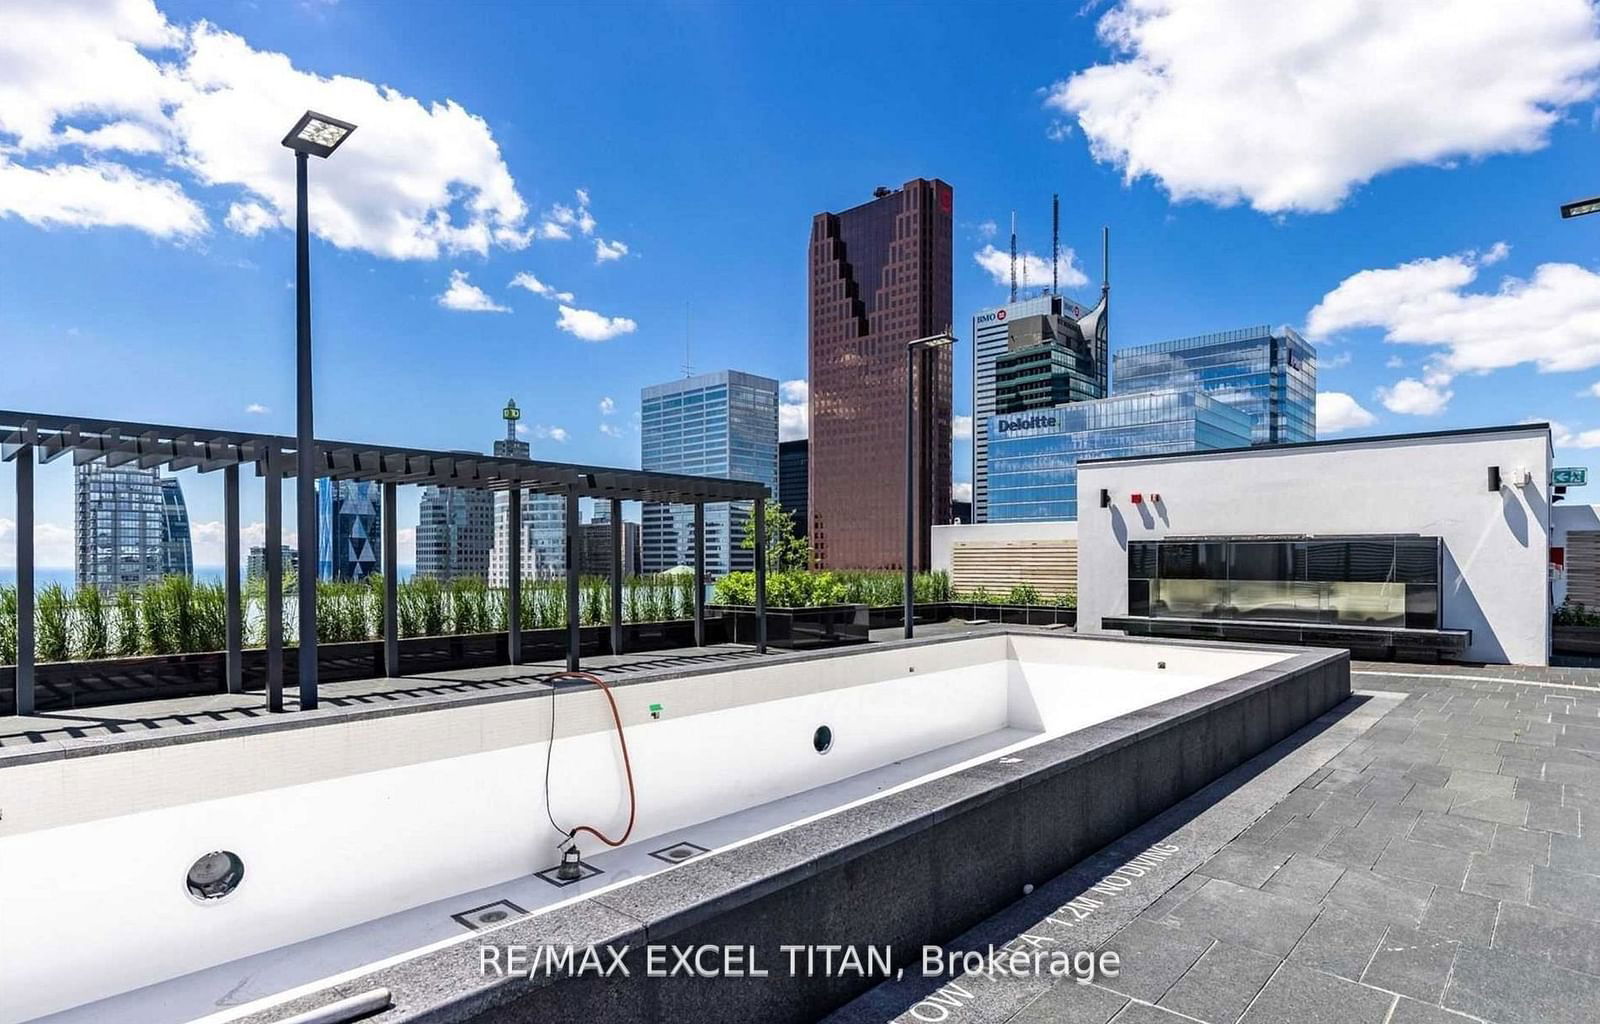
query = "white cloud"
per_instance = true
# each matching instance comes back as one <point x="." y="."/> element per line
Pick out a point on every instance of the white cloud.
<point x="988" y="229"/>
<point x="1059" y="131"/>
<point x="250" y="219"/>
<point x="1394" y="362"/>
<point x="961" y="491"/>
<point x="1289" y="106"/>
<point x="1551" y="320"/>
<point x="256" y="409"/>
<point x="1336" y="361"/>
<point x="606" y="252"/>
<point x="1561" y="436"/>
<point x="1427" y="397"/>
<point x="466" y="297"/>
<point x="610" y="429"/>
<point x="560" y="220"/>
<point x="592" y="326"/>
<point x="961" y="428"/>
<point x="538" y="287"/>
<point x="203" y="108"/>
<point x="97" y="195"/>
<point x="550" y="433"/>
<point x="52" y="544"/>
<point x="607" y="406"/>
<point x="1337" y="411"/>
<point x="1034" y="270"/>
<point x="794" y="410"/>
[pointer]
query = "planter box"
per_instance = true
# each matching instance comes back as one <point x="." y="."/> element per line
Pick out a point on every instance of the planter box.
<point x="64" y="685"/>
<point x="1016" y="614"/>
<point x="1575" y="639"/>
<point x="887" y="616"/>
<point x="798" y="628"/>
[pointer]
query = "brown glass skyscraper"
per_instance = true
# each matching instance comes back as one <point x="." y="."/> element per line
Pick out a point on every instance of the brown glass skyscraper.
<point x="879" y="278"/>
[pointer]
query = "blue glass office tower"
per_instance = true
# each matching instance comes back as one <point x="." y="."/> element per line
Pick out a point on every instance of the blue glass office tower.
<point x="716" y="424"/>
<point x="1269" y="374"/>
<point x="349" y="528"/>
<point x="177" y="547"/>
<point x="1033" y="456"/>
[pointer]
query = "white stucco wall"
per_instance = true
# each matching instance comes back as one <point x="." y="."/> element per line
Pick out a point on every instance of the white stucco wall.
<point x="945" y="538"/>
<point x="1495" y="580"/>
<point x="1565" y="518"/>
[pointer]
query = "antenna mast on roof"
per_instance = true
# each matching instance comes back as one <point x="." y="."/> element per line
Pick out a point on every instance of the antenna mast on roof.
<point x="1105" y="260"/>
<point x="1055" y="243"/>
<point x="1013" y="255"/>
<point x="688" y="368"/>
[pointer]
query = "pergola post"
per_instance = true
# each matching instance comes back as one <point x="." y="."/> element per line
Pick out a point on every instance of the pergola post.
<point x="761" y="575"/>
<point x="391" y="580"/>
<point x="234" y="629"/>
<point x="24" y="686"/>
<point x="274" y="568"/>
<point x="699" y="574"/>
<point x="617" y="534"/>
<point x="574" y="635"/>
<point x="514" y="575"/>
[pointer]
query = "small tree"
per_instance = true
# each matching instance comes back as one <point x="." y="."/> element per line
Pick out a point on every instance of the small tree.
<point x="787" y="548"/>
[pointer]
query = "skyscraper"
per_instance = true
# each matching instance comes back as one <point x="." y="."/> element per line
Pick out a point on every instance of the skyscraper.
<point x="455" y="530"/>
<point x="349" y="528"/>
<point x="255" y="564"/>
<point x="1269" y="374"/>
<point x="119" y="515"/>
<point x="1055" y="351"/>
<point x="794" y="480"/>
<point x="878" y="277"/>
<point x="716" y="424"/>
<point x="544" y="519"/>
<point x="177" y="547"/>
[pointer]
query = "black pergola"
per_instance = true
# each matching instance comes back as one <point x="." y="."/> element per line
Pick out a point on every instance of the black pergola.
<point x="26" y="436"/>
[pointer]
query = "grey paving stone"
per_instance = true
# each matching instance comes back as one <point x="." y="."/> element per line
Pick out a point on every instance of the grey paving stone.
<point x="1068" y="1002"/>
<point x="1452" y="832"/>
<point x="1520" y="990"/>
<point x="1466" y="917"/>
<point x="1245" y="864"/>
<point x="1339" y="942"/>
<point x="1480" y="783"/>
<point x="1499" y="878"/>
<point x="1567" y="891"/>
<point x="1173" y="897"/>
<point x="1478" y="760"/>
<point x="1246" y="917"/>
<point x="1407" y="859"/>
<point x="1391" y="820"/>
<point x="1563" y="939"/>
<point x="1412" y="963"/>
<point x="1409" y="1011"/>
<point x="1532" y="845"/>
<point x="1341" y="809"/>
<point x="1428" y="775"/>
<point x="1139" y="1013"/>
<point x="1305" y="878"/>
<point x="1576" y="853"/>
<point x="1502" y="810"/>
<point x="1355" y="848"/>
<point x="1154" y="954"/>
<point x="1553" y="819"/>
<point x="1304" y="835"/>
<point x="1400" y="900"/>
<point x="1221" y="984"/>
<point x="1429" y="798"/>
<point x="1340" y="780"/>
<point x="1297" y="995"/>
<point x="1385" y="791"/>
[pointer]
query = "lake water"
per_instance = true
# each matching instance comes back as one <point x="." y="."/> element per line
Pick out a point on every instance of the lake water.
<point x="202" y="574"/>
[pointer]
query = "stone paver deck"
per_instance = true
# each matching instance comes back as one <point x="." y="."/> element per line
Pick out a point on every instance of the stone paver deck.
<point x="1443" y="866"/>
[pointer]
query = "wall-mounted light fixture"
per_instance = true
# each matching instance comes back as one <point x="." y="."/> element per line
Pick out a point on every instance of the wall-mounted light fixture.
<point x="1494" y="479"/>
<point x="1105" y="498"/>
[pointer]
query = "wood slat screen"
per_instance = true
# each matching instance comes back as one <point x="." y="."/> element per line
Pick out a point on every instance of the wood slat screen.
<point x="1583" y="568"/>
<point x="1050" y="566"/>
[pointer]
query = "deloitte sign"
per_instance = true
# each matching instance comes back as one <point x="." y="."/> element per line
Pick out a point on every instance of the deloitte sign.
<point x="1038" y="421"/>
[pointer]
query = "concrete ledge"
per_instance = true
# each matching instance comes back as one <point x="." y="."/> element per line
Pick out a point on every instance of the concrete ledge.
<point x="914" y="867"/>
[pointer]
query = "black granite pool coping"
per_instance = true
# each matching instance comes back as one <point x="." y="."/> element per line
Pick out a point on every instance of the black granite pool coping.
<point x="199" y="732"/>
<point x="446" y="985"/>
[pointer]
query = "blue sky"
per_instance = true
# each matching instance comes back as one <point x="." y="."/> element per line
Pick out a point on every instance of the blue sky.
<point x="1283" y="172"/>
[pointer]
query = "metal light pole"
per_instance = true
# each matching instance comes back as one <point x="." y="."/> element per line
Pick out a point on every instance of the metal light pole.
<point x="913" y="348"/>
<point x="1581" y="208"/>
<point x="313" y="135"/>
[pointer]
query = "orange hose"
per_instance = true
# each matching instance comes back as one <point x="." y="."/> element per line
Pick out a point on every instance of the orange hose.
<point x="633" y="800"/>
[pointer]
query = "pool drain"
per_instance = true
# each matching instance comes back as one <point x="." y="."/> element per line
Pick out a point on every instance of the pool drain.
<point x="487" y="915"/>
<point x="677" y="853"/>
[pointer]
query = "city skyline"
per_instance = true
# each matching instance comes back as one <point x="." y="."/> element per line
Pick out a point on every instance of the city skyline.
<point x="1435" y="226"/>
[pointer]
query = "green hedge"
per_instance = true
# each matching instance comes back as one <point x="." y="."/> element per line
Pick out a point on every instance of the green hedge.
<point x="176" y="615"/>
<point x="804" y="589"/>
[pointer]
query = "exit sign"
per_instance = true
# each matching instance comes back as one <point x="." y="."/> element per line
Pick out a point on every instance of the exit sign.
<point x="1569" y="476"/>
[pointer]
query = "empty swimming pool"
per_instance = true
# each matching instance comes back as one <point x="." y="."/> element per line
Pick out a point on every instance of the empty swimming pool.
<point x="212" y="878"/>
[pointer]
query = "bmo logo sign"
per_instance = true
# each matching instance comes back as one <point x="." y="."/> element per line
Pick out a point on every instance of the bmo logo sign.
<point x="989" y="318"/>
